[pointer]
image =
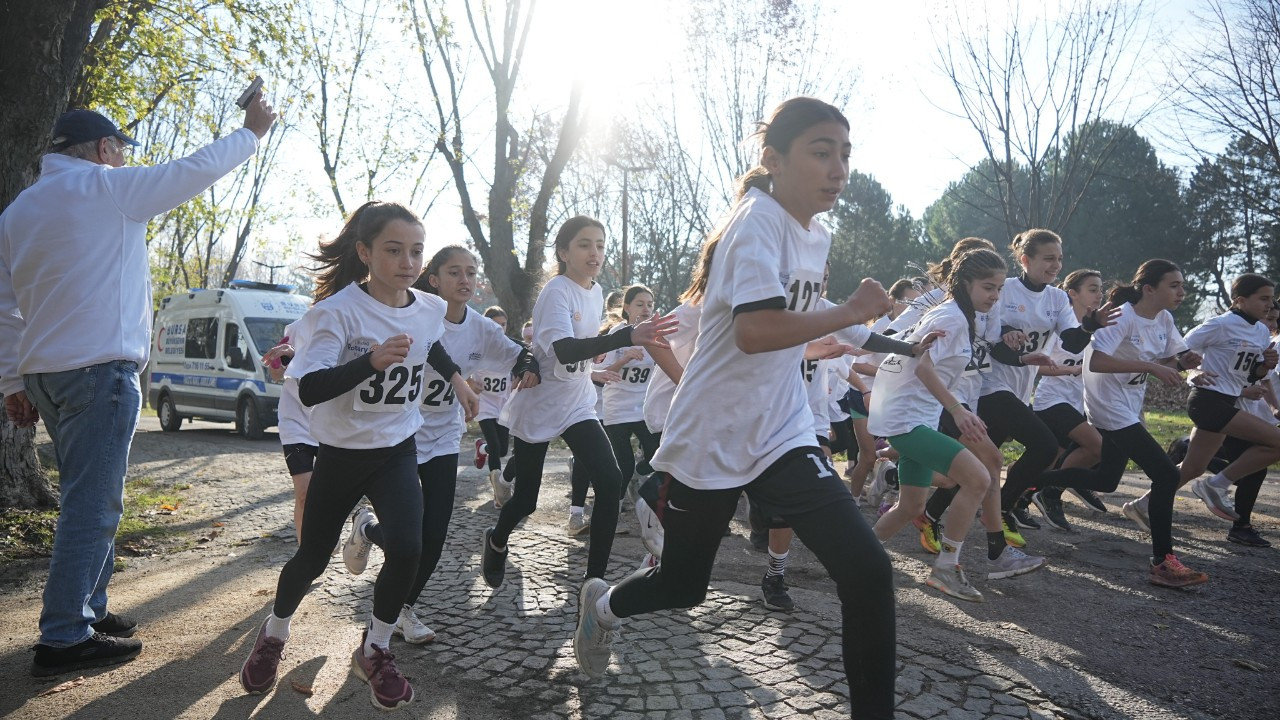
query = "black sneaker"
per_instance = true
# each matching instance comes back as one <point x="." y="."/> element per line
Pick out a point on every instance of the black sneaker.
<point x="1177" y="449"/>
<point x="1051" y="508"/>
<point x="1022" y="518"/>
<point x="1246" y="535"/>
<point x="493" y="564"/>
<point x="1090" y="499"/>
<point x="97" y="651"/>
<point x="774" y="589"/>
<point x="116" y="626"/>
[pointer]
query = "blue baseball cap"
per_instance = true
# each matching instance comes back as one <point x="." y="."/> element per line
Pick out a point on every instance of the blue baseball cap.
<point x="77" y="126"/>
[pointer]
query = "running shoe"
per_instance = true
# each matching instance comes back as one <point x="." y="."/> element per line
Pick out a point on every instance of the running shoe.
<point x="482" y="457"/>
<point x="1177" y="449"/>
<point x="98" y="650"/>
<point x="1138" y="514"/>
<point x="1172" y="573"/>
<point x="502" y="490"/>
<point x="115" y="625"/>
<point x="258" y="674"/>
<point x="879" y="482"/>
<point x="1090" y="500"/>
<point x="592" y="640"/>
<point x="355" y="552"/>
<point x="579" y="524"/>
<point x="886" y="504"/>
<point x="649" y="562"/>
<point x="1051" y="508"/>
<point x="413" y="630"/>
<point x="952" y="581"/>
<point x="1246" y="535"/>
<point x="1022" y="517"/>
<point x="1011" y="562"/>
<point x="493" y="564"/>
<point x="651" y="533"/>
<point x="388" y="689"/>
<point x="930" y="534"/>
<point x="1215" y="499"/>
<point x="1011" y="534"/>
<point x="774" y="590"/>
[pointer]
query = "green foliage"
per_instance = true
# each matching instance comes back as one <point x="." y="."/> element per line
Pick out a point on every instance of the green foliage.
<point x="871" y="238"/>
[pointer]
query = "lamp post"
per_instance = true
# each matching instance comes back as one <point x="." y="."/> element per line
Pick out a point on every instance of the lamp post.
<point x="269" y="267"/>
<point x="626" y="210"/>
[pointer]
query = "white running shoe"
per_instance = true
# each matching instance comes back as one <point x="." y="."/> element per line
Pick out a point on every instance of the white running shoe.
<point x="1134" y="512"/>
<point x="502" y="490"/>
<point x="651" y="533"/>
<point x="355" y="552"/>
<point x="1215" y="499"/>
<point x="592" y="640"/>
<point x="1013" y="561"/>
<point x="579" y="524"/>
<point x="879" y="482"/>
<point x="413" y="630"/>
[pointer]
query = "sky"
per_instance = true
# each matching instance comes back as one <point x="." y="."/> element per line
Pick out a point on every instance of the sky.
<point x="902" y="109"/>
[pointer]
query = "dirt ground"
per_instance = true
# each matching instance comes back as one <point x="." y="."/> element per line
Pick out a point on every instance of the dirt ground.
<point x="1088" y="634"/>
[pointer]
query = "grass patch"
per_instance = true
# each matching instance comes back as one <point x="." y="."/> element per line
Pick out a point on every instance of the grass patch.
<point x="147" y="507"/>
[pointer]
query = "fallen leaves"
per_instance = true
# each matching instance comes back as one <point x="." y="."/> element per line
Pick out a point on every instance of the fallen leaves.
<point x="63" y="687"/>
<point x="1249" y="664"/>
<point x="301" y="689"/>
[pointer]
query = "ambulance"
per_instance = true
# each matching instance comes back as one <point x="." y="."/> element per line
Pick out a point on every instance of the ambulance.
<point x="206" y="358"/>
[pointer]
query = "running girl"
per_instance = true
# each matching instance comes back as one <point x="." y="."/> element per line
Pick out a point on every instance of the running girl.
<point x="1261" y="401"/>
<point x="566" y="317"/>
<point x="361" y="369"/>
<point x="1142" y="342"/>
<point x="1238" y="352"/>
<point x="493" y="388"/>
<point x="741" y="420"/>
<point x="624" y="401"/>
<point x="479" y="345"/>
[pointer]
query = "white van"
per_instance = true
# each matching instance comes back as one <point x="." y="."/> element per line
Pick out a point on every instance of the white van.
<point x="206" y="360"/>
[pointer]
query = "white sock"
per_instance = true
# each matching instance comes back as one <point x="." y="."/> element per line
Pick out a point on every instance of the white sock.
<point x="949" y="553"/>
<point x="607" y="618"/>
<point x="575" y="510"/>
<point x="1220" y="481"/>
<point x="379" y="634"/>
<point x="278" y="627"/>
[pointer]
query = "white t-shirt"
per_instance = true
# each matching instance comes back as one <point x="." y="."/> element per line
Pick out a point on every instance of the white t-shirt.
<point x="657" y="398"/>
<point x="901" y="401"/>
<point x="916" y="309"/>
<point x="294" y="418"/>
<point x="1041" y="316"/>
<point x="1061" y="389"/>
<point x="838" y="386"/>
<point x="815" y="375"/>
<point x="476" y="343"/>
<point x="1114" y="400"/>
<point x="1230" y="346"/>
<point x="566" y="396"/>
<point x="382" y="410"/>
<point x="624" y="400"/>
<point x="734" y="414"/>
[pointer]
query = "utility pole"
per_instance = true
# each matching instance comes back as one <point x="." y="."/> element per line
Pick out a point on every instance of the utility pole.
<point x="626" y="210"/>
<point x="271" y="268"/>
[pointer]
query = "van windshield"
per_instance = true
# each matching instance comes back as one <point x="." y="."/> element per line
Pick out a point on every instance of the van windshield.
<point x="266" y="332"/>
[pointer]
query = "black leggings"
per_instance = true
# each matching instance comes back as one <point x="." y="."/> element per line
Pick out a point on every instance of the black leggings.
<point x="620" y="440"/>
<point x="1247" y="487"/>
<point x="387" y="477"/>
<point x="842" y="440"/>
<point x="439" y="478"/>
<point x="496" y="437"/>
<point x="593" y="455"/>
<point x="802" y="488"/>
<point x="1008" y="417"/>
<point x="1134" y="442"/>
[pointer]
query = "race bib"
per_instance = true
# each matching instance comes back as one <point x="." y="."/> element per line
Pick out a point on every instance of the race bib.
<point x="395" y="389"/>
<point x="439" y="396"/>
<point x="497" y="385"/>
<point x="638" y="375"/>
<point x="573" y="371"/>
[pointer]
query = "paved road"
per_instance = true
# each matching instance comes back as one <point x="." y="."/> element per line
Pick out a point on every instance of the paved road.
<point x="1086" y="638"/>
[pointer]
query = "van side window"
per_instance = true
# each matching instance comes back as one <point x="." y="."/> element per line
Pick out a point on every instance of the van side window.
<point x="235" y="348"/>
<point x="202" y="338"/>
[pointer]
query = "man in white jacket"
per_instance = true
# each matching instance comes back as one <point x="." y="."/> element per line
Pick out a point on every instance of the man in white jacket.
<point x="75" y="327"/>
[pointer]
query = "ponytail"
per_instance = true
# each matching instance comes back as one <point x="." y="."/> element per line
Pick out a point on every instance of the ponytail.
<point x="1150" y="273"/>
<point x="940" y="273"/>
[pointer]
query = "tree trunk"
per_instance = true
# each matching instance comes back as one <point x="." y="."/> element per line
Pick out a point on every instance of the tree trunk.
<point x="41" y="50"/>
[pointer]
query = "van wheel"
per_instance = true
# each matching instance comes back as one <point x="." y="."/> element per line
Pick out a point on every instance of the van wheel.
<point x="247" y="421"/>
<point x="170" y="420"/>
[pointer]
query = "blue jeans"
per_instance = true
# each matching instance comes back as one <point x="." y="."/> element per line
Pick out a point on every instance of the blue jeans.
<point x="90" y="413"/>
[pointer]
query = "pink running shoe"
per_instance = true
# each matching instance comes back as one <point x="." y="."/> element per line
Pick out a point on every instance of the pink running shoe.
<point x="388" y="689"/>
